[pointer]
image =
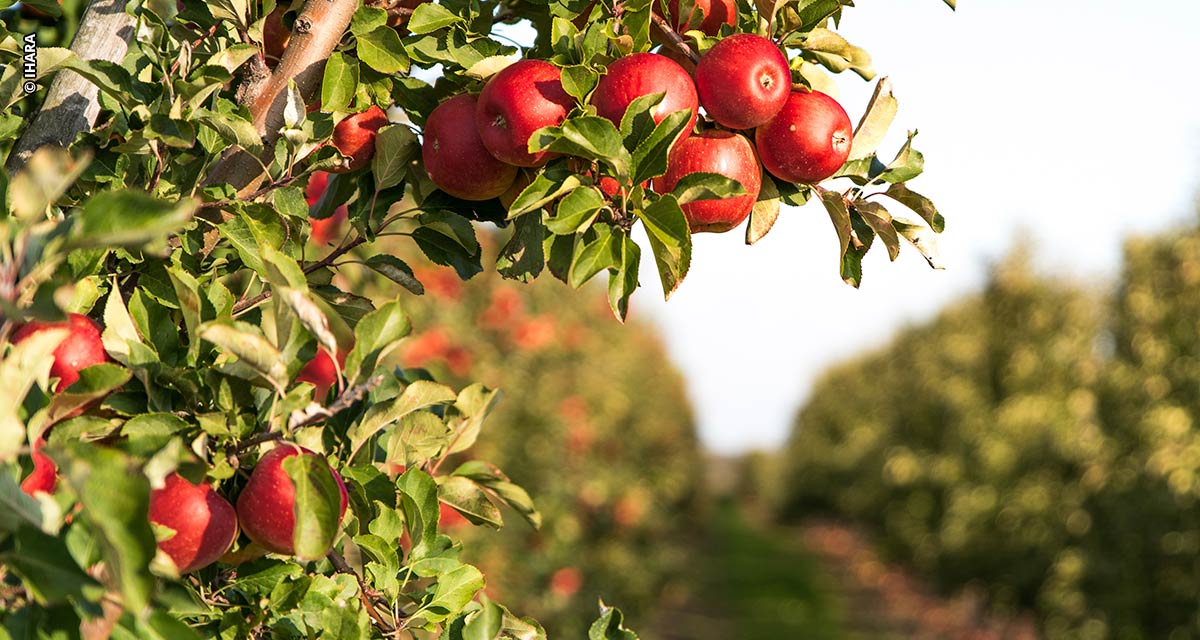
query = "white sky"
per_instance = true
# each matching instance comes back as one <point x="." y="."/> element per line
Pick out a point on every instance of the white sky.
<point x="1076" y="120"/>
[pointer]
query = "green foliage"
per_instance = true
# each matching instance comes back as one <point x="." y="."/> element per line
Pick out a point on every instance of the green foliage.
<point x="1031" y="439"/>
<point x="177" y="222"/>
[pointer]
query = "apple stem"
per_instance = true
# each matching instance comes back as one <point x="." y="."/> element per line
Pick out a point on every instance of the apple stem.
<point x="674" y="37"/>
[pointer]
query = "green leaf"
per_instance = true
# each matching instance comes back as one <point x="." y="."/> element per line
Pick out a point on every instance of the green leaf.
<point x="839" y="214"/>
<point x="469" y="499"/>
<point x="579" y="80"/>
<point x="116" y="497"/>
<point x="317" y="508"/>
<point x="24" y="364"/>
<point x="129" y="218"/>
<point x="395" y="148"/>
<point x="522" y="258"/>
<point x="765" y="212"/>
<point x="518" y="499"/>
<point x="624" y="281"/>
<point x="610" y="626"/>
<point x="340" y="83"/>
<point x="834" y="52"/>
<point x="249" y="345"/>
<point x="577" y="211"/>
<point x="706" y="186"/>
<point x="602" y="253"/>
<point x="922" y="237"/>
<point x="382" y="49"/>
<point x="486" y="624"/>
<point x="419" y="501"/>
<point x="908" y="164"/>
<point x="670" y="241"/>
<point x="377" y="333"/>
<point x="921" y="205"/>
<point x="452" y="592"/>
<point x="650" y="156"/>
<point x="233" y="130"/>
<point x="430" y="17"/>
<point x="18" y="508"/>
<point x="880" y="222"/>
<point x="589" y="137"/>
<point x="396" y="270"/>
<point x="419" y="436"/>
<point x="880" y="113"/>
<point x="547" y="186"/>
<point x="449" y="240"/>
<point x="47" y="175"/>
<point x="638" y="120"/>
<point x="416" y="396"/>
<point x="474" y="403"/>
<point x="47" y="569"/>
<point x="161" y="625"/>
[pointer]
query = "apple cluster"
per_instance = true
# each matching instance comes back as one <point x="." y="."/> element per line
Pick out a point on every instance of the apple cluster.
<point x="204" y="524"/>
<point x="475" y="145"/>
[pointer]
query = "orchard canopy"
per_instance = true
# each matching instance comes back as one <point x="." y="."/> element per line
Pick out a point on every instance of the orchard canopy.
<point x="210" y="213"/>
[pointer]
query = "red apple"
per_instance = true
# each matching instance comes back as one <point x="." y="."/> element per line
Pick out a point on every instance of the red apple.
<point x="81" y="348"/>
<point x="522" y="98"/>
<point x="354" y="136"/>
<point x="566" y="582"/>
<point x="324" y="230"/>
<point x="320" y="373"/>
<point x="455" y="156"/>
<point x="449" y="518"/>
<point x="808" y="141"/>
<point x="641" y="74"/>
<point x="44" y="477"/>
<point x="715" y="13"/>
<point x="715" y="151"/>
<point x="275" y="35"/>
<point x="205" y="524"/>
<point x="266" y="506"/>
<point x="743" y="81"/>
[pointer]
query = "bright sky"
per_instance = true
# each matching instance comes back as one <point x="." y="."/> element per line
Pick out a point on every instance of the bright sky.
<point x="1075" y="120"/>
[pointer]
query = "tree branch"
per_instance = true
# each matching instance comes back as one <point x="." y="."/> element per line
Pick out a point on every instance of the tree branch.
<point x="318" y="29"/>
<point x="676" y="39"/>
<point x="72" y="103"/>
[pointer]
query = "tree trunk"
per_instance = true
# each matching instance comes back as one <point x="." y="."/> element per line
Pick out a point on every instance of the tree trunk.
<point x="72" y="103"/>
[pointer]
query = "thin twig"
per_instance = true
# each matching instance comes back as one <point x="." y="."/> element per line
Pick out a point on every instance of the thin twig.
<point x="311" y="416"/>
<point x="246" y="303"/>
<point x="674" y="37"/>
<point x="339" y="565"/>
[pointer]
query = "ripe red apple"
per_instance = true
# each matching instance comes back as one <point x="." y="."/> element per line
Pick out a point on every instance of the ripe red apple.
<point x="81" y="348"/>
<point x="324" y="230"/>
<point x="522" y="98"/>
<point x="266" y="506"/>
<point x="354" y="136"/>
<point x="566" y="582"/>
<point x="715" y="12"/>
<point x="715" y="151"/>
<point x="641" y="74"/>
<point x="455" y="157"/>
<point x="743" y="81"/>
<point x="44" y="477"/>
<point x="275" y="35"/>
<point x="321" y="373"/>
<point x="808" y="141"/>
<point x="205" y="524"/>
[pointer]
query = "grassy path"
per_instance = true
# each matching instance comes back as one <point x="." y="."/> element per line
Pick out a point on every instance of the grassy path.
<point x="751" y="585"/>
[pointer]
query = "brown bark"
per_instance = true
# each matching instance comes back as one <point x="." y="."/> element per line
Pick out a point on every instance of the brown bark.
<point x="72" y="103"/>
<point x="318" y="29"/>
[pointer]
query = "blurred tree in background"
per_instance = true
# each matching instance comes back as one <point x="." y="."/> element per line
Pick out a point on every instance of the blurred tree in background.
<point x="1032" y="440"/>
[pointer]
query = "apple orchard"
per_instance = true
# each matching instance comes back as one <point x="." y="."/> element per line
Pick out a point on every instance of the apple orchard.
<point x="202" y="430"/>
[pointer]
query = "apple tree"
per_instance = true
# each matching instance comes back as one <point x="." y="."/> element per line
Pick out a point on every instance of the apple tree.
<point x="203" y="430"/>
